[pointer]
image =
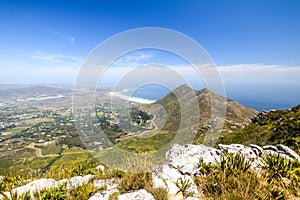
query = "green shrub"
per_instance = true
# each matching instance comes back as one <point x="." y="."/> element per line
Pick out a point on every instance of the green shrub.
<point x="54" y="194"/>
<point x="158" y="193"/>
<point x="231" y="178"/>
<point x="113" y="196"/>
<point x="83" y="169"/>
<point x="277" y="167"/>
<point x="110" y="173"/>
<point x="134" y="181"/>
<point x="183" y="186"/>
<point x="82" y="192"/>
<point x="27" y="196"/>
<point x="205" y="168"/>
<point x="233" y="163"/>
<point x="272" y="128"/>
<point x="283" y="174"/>
<point x="9" y="182"/>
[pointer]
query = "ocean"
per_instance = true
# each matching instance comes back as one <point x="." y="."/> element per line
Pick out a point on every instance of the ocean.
<point x="259" y="100"/>
<point x="151" y="92"/>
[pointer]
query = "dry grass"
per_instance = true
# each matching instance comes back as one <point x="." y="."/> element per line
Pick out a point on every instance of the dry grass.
<point x="223" y="181"/>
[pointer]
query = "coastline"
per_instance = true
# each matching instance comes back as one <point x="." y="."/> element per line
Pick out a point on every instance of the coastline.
<point x="129" y="98"/>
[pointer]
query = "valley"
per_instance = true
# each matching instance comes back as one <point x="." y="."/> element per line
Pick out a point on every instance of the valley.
<point x="38" y="129"/>
<point x="42" y="138"/>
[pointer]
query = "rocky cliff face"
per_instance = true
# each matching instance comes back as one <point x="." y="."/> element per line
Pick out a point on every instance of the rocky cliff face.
<point x="181" y="164"/>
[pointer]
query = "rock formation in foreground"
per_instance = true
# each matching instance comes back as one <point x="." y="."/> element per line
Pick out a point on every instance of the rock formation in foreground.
<point x="181" y="163"/>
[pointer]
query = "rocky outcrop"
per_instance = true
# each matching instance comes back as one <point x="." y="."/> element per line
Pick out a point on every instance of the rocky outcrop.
<point x="181" y="165"/>
<point x="39" y="185"/>
<point x="138" y="195"/>
<point x="182" y="162"/>
<point x="100" y="168"/>
<point x="110" y="186"/>
<point x="77" y="181"/>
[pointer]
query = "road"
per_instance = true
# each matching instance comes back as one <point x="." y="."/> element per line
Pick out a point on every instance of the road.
<point x="147" y="133"/>
<point x="38" y="151"/>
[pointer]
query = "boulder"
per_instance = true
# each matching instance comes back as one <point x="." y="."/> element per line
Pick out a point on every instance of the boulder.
<point x="287" y="151"/>
<point x="138" y="195"/>
<point x="39" y="185"/>
<point x="77" y="181"/>
<point x="247" y="152"/>
<point x="186" y="158"/>
<point x="100" y="168"/>
<point x="257" y="149"/>
<point x="34" y="187"/>
<point x="110" y="186"/>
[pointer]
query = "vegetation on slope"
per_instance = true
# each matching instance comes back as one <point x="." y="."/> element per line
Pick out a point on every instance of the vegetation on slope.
<point x="269" y="128"/>
<point x="137" y="178"/>
<point x="237" y="116"/>
<point x="232" y="178"/>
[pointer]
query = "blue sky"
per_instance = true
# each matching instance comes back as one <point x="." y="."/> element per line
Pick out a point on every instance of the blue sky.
<point x="254" y="43"/>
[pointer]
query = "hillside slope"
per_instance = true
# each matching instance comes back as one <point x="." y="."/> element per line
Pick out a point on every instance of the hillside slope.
<point x="236" y="115"/>
<point x="267" y="128"/>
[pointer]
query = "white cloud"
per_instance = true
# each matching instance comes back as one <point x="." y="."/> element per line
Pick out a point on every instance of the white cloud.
<point x="260" y="74"/>
<point x="174" y="75"/>
<point x="244" y="74"/>
<point x="38" y="75"/>
<point x="56" y="59"/>
<point x="54" y="66"/>
<point x="132" y="59"/>
<point x="38" y="67"/>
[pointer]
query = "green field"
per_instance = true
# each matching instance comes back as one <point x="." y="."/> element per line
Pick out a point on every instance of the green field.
<point x="25" y="162"/>
<point x="13" y="131"/>
<point x="51" y="150"/>
<point x="149" y="144"/>
<point x="22" y="162"/>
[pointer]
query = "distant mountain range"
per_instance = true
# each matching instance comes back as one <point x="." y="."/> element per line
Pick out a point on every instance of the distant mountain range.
<point x="17" y="90"/>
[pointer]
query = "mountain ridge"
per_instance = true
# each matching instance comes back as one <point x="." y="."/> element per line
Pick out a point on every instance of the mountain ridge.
<point x="235" y="115"/>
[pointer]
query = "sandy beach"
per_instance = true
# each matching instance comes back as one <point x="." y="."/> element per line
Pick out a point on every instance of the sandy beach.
<point x="128" y="98"/>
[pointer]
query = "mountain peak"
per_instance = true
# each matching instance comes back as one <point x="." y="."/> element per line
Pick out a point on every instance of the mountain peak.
<point x="185" y="87"/>
<point x="182" y="88"/>
<point x="205" y="90"/>
<point x="237" y="116"/>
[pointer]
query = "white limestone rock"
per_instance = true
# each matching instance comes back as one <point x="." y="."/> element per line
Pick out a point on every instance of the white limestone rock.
<point x="138" y="195"/>
<point x="247" y="152"/>
<point x="100" y="168"/>
<point x="186" y="158"/>
<point x="111" y="186"/>
<point x="37" y="186"/>
<point x="77" y="181"/>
